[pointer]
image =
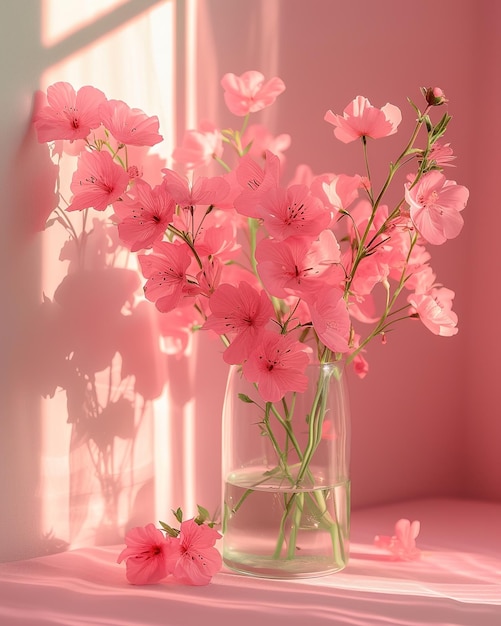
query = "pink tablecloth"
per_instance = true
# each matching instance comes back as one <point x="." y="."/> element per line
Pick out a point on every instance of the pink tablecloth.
<point x="456" y="582"/>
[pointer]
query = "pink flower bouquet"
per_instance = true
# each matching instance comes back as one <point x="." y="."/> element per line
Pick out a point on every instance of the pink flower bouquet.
<point x="283" y="273"/>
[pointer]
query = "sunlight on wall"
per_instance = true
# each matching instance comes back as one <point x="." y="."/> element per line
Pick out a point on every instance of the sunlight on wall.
<point x="136" y="63"/>
<point x="60" y="18"/>
<point x="190" y="74"/>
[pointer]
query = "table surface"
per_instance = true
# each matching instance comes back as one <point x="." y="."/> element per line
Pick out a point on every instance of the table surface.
<point x="456" y="582"/>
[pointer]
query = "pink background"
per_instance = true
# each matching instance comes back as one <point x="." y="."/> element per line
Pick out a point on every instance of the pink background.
<point x="426" y="420"/>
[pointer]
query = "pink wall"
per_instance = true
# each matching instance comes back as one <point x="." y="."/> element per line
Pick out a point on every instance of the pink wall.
<point x="426" y="420"/>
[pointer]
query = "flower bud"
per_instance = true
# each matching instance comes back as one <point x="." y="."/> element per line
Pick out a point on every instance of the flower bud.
<point x="434" y="96"/>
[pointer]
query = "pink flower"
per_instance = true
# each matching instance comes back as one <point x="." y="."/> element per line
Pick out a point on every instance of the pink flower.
<point x="204" y="190"/>
<point x="291" y="212"/>
<point x="255" y="180"/>
<point x="435" y="310"/>
<point x="241" y="310"/>
<point x="194" y="559"/>
<point x="262" y="140"/>
<point x="435" y="205"/>
<point x="218" y="235"/>
<point x="360" y="366"/>
<point x="331" y="319"/>
<point x="421" y="277"/>
<point x="277" y="366"/>
<point x="70" y="115"/>
<point x="361" y="119"/>
<point x="339" y="190"/>
<point x="199" y="147"/>
<point x="249" y="92"/>
<point x="208" y="278"/>
<point x="146" y="555"/>
<point x="403" y="543"/>
<point x="145" y="216"/>
<point x="441" y="154"/>
<point x="434" y="96"/>
<point x="166" y="274"/>
<point x="97" y="182"/>
<point x="130" y="126"/>
<point x="298" y="266"/>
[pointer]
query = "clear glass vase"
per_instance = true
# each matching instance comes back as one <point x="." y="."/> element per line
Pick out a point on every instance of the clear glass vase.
<point x="286" y="509"/>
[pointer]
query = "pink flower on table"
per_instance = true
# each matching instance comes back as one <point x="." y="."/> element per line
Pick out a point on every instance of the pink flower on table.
<point x="291" y="212"/>
<point x="165" y="270"/>
<point x="144" y="216"/>
<point x="435" y="310"/>
<point x="435" y="206"/>
<point x="97" y="182"/>
<point x="69" y="115"/>
<point x="403" y="543"/>
<point x="249" y="92"/>
<point x="194" y="559"/>
<point x="361" y="119"/>
<point x="331" y="320"/>
<point x="199" y="147"/>
<point x="145" y="555"/>
<point x="298" y="266"/>
<point x="204" y="190"/>
<point x="242" y="311"/>
<point x="277" y="366"/>
<point x="129" y="126"/>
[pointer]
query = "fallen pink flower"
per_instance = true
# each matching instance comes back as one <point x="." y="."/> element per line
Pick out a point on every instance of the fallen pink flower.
<point x="194" y="560"/>
<point x="403" y="543"/>
<point x="145" y="555"/>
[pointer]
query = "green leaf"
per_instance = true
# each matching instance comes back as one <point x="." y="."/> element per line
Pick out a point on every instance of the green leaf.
<point x="169" y="530"/>
<point x="203" y="515"/>
<point x="178" y="514"/>
<point x="414" y="107"/>
<point x="245" y="398"/>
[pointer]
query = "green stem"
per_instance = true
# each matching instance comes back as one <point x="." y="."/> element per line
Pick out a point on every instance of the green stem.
<point x="296" y="524"/>
<point x="382" y="324"/>
<point x="394" y="167"/>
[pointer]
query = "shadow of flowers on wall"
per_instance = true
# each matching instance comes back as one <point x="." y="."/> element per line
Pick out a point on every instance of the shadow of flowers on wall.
<point x="94" y="353"/>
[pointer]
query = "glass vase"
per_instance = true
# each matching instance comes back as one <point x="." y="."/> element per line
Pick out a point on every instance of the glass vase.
<point x="286" y="509"/>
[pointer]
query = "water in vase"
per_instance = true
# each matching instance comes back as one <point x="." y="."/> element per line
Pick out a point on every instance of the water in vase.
<point x="279" y="531"/>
